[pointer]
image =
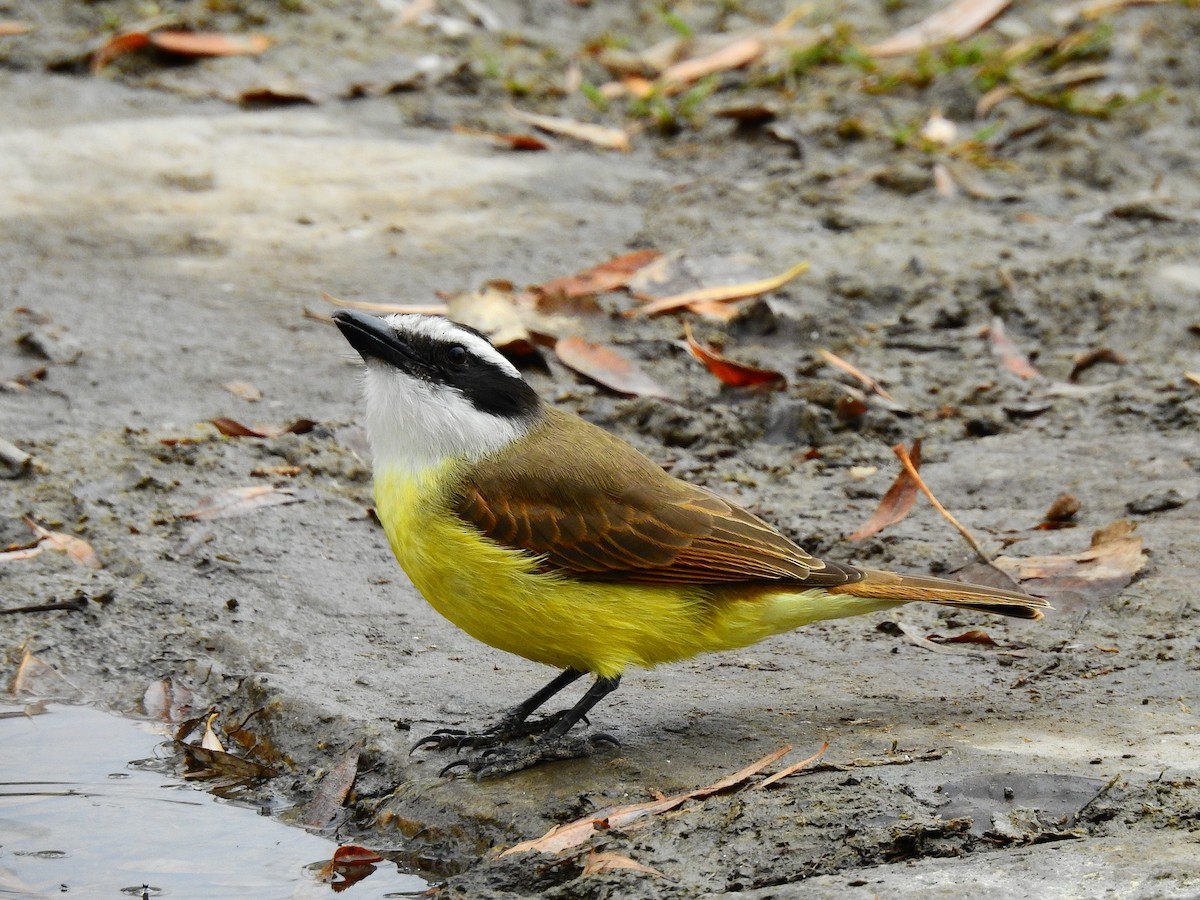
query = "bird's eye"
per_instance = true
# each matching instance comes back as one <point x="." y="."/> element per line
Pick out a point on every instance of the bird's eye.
<point x="457" y="356"/>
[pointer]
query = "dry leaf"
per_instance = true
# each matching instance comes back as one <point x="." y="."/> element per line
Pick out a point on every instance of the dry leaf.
<point x="1009" y="353"/>
<point x="896" y="503"/>
<point x="35" y="678"/>
<point x="936" y="643"/>
<point x="598" y="863"/>
<point x="793" y="769"/>
<point x="21" y="553"/>
<point x="719" y="294"/>
<point x="1102" y="570"/>
<point x="234" y="428"/>
<point x="243" y="390"/>
<point x="1193" y="377"/>
<point x="209" y="43"/>
<point x="735" y="55"/>
<point x="612" y="275"/>
<point x="14" y="27"/>
<point x="1061" y="513"/>
<point x="600" y="135"/>
<point x="240" y="501"/>
<point x="607" y="366"/>
<point x="1089" y="358"/>
<point x="732" y="373"/>
<point x="76" y="548"/>
<point x="210" y="741"/>
<point x="493" y="312"/>
<point x="572" y="834"/>
<point x="167" y="701"/>
<point x="975" y="635"/>
<point x="202" y="764"/>
<point x="508" y="140"/>
<point x="184" y="43"/>
<point x="354" y="855"/>
<point x="331" y="793"/>
<point x="956" y="22"/>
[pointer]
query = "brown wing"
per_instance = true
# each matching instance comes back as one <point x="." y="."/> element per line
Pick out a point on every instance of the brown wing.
<point x="625" y="518"/>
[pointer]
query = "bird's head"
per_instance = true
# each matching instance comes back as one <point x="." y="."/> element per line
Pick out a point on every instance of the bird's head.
<point x="436" y="390"/>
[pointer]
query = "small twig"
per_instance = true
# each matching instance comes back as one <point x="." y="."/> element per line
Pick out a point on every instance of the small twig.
<point x="1028" y="679"/>
<point x="1099" y="795"/>
<point x="902" y="455"/>
<point x="76" y="604"/>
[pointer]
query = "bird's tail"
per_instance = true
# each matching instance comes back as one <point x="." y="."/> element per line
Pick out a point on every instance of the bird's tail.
<point x="890" y="586"/>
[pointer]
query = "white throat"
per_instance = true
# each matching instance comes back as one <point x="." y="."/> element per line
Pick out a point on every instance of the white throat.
<point x="414" y="425"/>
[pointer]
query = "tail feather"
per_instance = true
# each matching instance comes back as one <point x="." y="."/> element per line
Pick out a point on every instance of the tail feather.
<point x="903" y="588"/>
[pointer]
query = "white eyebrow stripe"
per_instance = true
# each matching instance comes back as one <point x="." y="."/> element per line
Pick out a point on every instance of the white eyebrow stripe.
<point x="447" y="332"/>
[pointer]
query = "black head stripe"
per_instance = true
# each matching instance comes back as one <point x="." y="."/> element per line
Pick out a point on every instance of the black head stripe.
<point x="493" y="391"/>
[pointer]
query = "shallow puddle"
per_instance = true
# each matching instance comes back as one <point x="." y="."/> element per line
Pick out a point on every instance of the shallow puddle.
<point x="86" y="809"/>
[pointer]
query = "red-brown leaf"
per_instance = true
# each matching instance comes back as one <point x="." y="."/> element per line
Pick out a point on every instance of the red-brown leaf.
<point x="896" y="503"/>
<point x="209" y="43"/>
<point x="730" y="371"/>
<point x="608" y="276"/>
<point x="608" y="367"/>
<point x="1009" y="353"/>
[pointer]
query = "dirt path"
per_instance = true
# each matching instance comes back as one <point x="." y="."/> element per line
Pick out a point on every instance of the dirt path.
<point x="159" y="242"/>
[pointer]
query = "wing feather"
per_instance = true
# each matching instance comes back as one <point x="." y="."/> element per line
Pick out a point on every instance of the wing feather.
<point x="626" y="520"/>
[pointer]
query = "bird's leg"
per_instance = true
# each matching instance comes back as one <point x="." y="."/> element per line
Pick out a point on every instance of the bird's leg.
<point x="513" y="723"/>
<point x="555" y="744"/>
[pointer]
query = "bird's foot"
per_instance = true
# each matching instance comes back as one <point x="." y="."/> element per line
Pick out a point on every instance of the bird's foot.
<point x="503" y="731"/>
<point x="498" y="760"/>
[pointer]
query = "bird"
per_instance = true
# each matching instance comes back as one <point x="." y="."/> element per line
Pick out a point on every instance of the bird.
<point x="543" y="535"/>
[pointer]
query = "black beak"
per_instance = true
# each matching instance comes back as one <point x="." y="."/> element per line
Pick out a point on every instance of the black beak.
<point x="373" y="338"/>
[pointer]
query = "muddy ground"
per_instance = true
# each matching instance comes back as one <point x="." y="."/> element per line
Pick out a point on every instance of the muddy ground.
<point x="161" y="240"/>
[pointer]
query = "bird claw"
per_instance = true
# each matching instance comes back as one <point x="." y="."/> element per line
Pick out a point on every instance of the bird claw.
<point x="503" y="731"/>
<point x="496" y="761"/>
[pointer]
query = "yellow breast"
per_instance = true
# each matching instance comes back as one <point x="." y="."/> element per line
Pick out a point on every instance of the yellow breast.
<point x="501" y="597"/>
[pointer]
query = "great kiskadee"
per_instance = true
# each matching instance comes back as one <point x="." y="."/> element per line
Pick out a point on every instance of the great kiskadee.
<point x="541" y="534"/>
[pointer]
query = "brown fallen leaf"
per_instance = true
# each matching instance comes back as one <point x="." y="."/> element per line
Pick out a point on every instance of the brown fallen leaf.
<point x="167" y="701"/>
<point x="210" y="741"/>
<point x="1009" y="354"/>
<point x="938" y="644"/>
<point x="1193" y="377"/>
<point x="76" y="548"/>
<point x="35" y="678"/>
<point x="608" y="276"/>
<point x="182" y="43"/>
<point x="972" y="636"/>
<point x="600" y="135"/>
<point x="14" y="27"/>
<point x="608" y="367"/>
<point x="598" y="863"/>
<point x="202" y="764"/>
<point x="350" y="864"/>
<point x="1114" y="557"/>
<point x="243" y="390"/>
<point x="572" y="834"/>
<point x="792" y="769"/>
<point x="1061" y="513"/>
<point x="508" y="140"/>
<point x="735" y="55"/>
<point x="955" y="22"/>
<point x="209" y="43"/>
<point x="1089" y="358"/>
<point x="493" y="311"/>
<point x="907" y="462"/>
<point x="331" y="793"/>
<point x="234" y="428"/>
<point x="719" y="294"/>
<point x="730" y="372"/>
<point x="896" y="503"/>
<point x="240" y="501"/>
<point x="21" y="553"/>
